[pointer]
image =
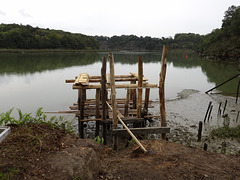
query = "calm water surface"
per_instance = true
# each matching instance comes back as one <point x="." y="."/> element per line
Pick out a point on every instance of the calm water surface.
<point x="30" y="81"/>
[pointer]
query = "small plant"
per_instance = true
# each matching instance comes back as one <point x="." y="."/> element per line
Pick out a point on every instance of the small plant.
<point x="26" y="118"/>
<point x="99" y="140"/>
<point x="9" y="174"/>
<point x="131" y="142"/>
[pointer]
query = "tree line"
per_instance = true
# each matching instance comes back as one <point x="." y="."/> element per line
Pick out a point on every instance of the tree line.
<point x="134" y="43"/>
<point x="14" y="36"/>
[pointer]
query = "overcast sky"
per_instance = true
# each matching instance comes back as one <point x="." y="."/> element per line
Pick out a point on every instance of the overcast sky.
<point x="153" y="18"/>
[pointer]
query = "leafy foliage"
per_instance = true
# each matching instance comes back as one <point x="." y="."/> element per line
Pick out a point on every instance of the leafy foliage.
<point x="224" y="43"/>
<point x="16" y="36"/>
<point x="40" y="118"/>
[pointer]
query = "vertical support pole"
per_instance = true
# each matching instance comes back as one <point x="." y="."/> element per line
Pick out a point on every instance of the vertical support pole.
<point x="200" y="131"/>
<point x="104" y="98"/>
<point x="224" y="106"/>
<point x="134" y="96"/>
<point x="97" y="111"/>
<point x="209" y="106"/>
<point x="81" y="102"/>
<point x="147" y="93"/>
<point x="161" y="88"/>
<point x="140" y="85"/>
<point x="126" y="104"/>
<point x="113" y="97"/>
<point x="238" y="90"/>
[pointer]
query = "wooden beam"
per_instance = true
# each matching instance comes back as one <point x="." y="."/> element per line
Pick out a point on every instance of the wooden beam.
<point x="113" y="97"/>
<point x="148" y="130"/>
<point x="127" y="86"/>
<point x="162" y="87"/>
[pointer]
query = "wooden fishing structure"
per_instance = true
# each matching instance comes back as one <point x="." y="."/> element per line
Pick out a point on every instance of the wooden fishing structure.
<point x="109" y="112"/>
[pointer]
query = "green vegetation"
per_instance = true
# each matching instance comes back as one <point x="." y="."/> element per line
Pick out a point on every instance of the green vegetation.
<point x="224" y="43"/>
<point x="9" y="173"/>
<point x="14" y="36"/>
<point x="134" y="43"/>
<point x="227" y="132"/>
<point x="40" y="118"/>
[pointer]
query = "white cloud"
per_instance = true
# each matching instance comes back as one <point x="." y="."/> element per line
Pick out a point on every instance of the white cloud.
<point x="3" y="13"/>
<point x="23" y="13"/>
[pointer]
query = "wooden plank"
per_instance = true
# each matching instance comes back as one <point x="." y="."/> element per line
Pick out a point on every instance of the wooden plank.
<point x="108" y="79"/>
<point x="84" y="79"/>
<point x="113" y="97"/>
<point x="140" y="84"/>
<point x="162" y="87"/>
<point x="148" y="130"/>
<point x="97" y="108"/>
<point x="127" y="86"/>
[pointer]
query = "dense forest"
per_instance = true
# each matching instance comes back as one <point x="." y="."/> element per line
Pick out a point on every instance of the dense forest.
<point x="16" y="36"/>
<point x="134" y="43"/>
<point x="224" y="43"/>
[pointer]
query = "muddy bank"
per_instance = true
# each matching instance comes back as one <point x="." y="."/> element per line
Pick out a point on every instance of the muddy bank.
<point x="185" y="112"/>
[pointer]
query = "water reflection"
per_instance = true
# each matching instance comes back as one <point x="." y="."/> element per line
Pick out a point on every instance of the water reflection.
<point x="30" y="81"/>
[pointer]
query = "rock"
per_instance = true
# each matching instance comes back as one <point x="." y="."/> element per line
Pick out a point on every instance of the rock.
<point x="80" y="160"/>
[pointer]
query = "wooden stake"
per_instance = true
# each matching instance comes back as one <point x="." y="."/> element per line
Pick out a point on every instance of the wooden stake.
<point x="200" y="131"/>
<point x="113" y="97"/>
<point x="104" y="97"/>
<point x="161" y="88"/>
<point x="140" y="84"/>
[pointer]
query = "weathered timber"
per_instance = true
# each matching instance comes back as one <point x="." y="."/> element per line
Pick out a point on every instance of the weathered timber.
<point x="104" y="97"/>
<point x="140" y="84"/>
<point x="81" y="110"/>
<point x="113" y="97"/>
<point x="209" y="106"/>
<point x="138" y="131"/>
<point x="162" y="87"/>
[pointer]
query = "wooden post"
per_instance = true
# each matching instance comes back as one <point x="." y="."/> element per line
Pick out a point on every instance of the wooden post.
<point x="224" y="106"/>
<point x="140" y="85"/>
<point x="162" y="87"/>
<point x="209" y="105"/>
<point x="113" y="97"/>
<point x="81" y="109"/>
<point x="200" y="131"/>
<point x="237" y="91"/>
<point x="126" y="104"/>
<point x="104" y="97"/>
<point x="134" y="96"/>
<point x="97" y="111"/>
<point x="147" y="93"/>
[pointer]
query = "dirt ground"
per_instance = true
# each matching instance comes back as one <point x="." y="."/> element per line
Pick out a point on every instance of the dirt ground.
<point x="40" y="152"/>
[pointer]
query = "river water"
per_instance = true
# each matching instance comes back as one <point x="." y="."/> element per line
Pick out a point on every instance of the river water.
<point x="29" y="81"/>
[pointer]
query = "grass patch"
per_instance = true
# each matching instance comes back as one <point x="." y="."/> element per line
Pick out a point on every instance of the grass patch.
<point x="227" y="132"/>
